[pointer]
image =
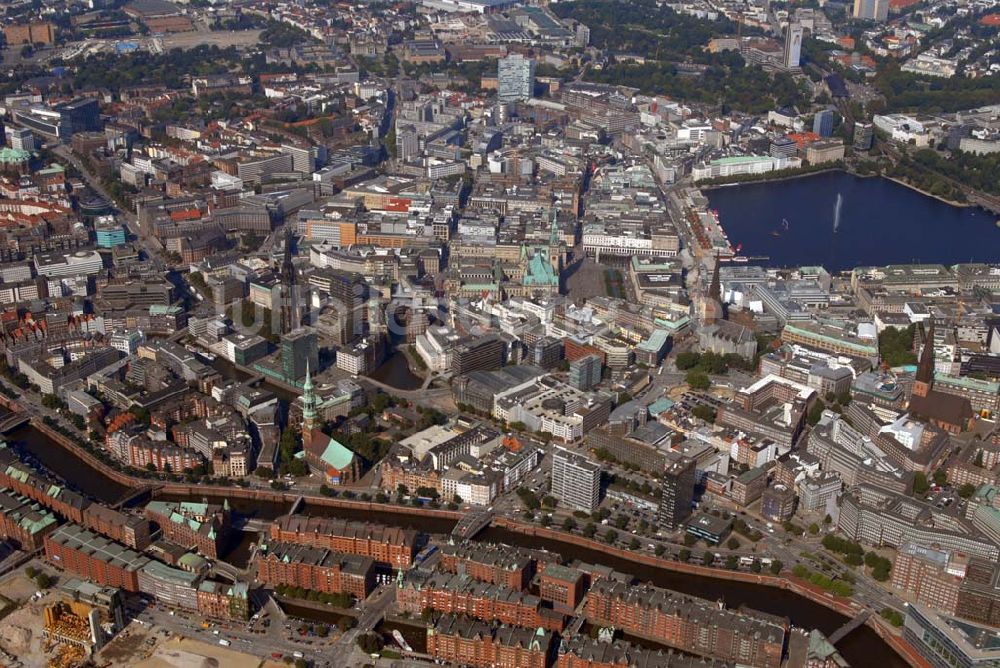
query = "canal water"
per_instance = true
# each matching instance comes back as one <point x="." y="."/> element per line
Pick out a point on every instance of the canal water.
<point x="842" y="221"/>
<point x="238" y="553"/>
<point x="329" y="616"/>
<point x="415" y="635"/>
<point x="395" y="372"/>
<point x="38" y="449"/>
<point x="861" y="648"/>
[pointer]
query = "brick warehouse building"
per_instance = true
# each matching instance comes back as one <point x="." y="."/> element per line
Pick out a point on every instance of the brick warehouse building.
<point x="580" y="651"/>
<point x="468" y="642"/>
<point x="94" y="557"/>
<point x="315" y="568"/>
<point x="389" y="545"/>
<point x="930" y="576"/>
<point x="22" y="479"/>
<point x="496" y="564"/>
<point x="461" y="595"/>
<point x="204" y="526"/>
<point x="563" y="586"/>
<point x="78" y="550"/>
<point x="688" y="624"/>
<point x="221" y="600"/>
<point x="23" y="523"/>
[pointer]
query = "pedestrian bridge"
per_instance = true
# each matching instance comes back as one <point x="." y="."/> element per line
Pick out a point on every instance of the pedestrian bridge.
<point x="14" y="421"/>
<point x="251" y="524"/>
<point x="851" y="626"/>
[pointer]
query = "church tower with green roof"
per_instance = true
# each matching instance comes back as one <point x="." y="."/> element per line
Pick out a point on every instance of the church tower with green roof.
<point x="308" y="405"/>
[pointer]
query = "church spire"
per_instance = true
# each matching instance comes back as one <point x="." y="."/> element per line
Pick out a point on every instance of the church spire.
<point x="307" y="386"/>
<point x="289" y="292"/>
<point x="712" y="309"/>
<point x="287" y="268"/>
<point x="925" y="371"/>
<point x="715" y="289"/>
<point x="308" y="401"/>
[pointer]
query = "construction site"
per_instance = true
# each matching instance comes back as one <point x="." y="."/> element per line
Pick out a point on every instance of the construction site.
<point x="72" y="631"/>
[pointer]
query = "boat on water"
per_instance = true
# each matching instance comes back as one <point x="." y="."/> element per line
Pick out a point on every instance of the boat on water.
<point x="400" y="640"/>
<point x="775" y="233"/>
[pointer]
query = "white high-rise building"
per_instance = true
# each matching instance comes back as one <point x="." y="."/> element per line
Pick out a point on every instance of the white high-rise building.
<point x="576" y="481"/>
<point x="407" y="143"/>
<point x="793" y="45"/>
<point x="515" y="78"/>
<point x="20" y="138"/>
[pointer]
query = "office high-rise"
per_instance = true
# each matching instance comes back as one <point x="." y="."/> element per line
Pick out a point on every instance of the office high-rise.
<point x="407" y="143"/>
<point x="823" y="123"/>
<point x="872" y="10"/>
<point x="585" y="372"/>
<point x="864" y="136"/>
<point x="576" y="481"/>
<point x="677" y="493"/>
<point x="348" y="302"/>
<point x="793" y="45"/>
<point x="478" y="354"/>
<point x="299" y="351"/>
<point x="515" y="78"/>
<point x="20" y="138"/>
<point x="546" y="352"/>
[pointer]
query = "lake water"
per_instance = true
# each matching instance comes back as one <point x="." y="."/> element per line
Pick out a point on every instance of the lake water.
<point x="796" y="223"/>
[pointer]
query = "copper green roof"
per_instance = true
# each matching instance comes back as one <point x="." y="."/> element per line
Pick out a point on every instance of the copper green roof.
<point x="337" y="455"/>
<point x="672" y="324"/>
<point x="660" y="405"/>
<point x="540" y="271"/>
<point x="860" y="348"/>
<point x="193" y="562"/>
<point x="13" y="155"/>
<point x="171" y="575"/>
<point x="655" y="342"/>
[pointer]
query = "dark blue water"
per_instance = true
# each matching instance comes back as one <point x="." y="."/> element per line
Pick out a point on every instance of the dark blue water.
<point x="881" y="222"/>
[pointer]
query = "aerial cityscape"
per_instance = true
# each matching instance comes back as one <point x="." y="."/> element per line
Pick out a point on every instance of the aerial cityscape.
<point x="500" y="333"/>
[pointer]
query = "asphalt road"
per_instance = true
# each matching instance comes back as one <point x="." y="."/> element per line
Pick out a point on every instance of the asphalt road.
<point x="151" y="246"/>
